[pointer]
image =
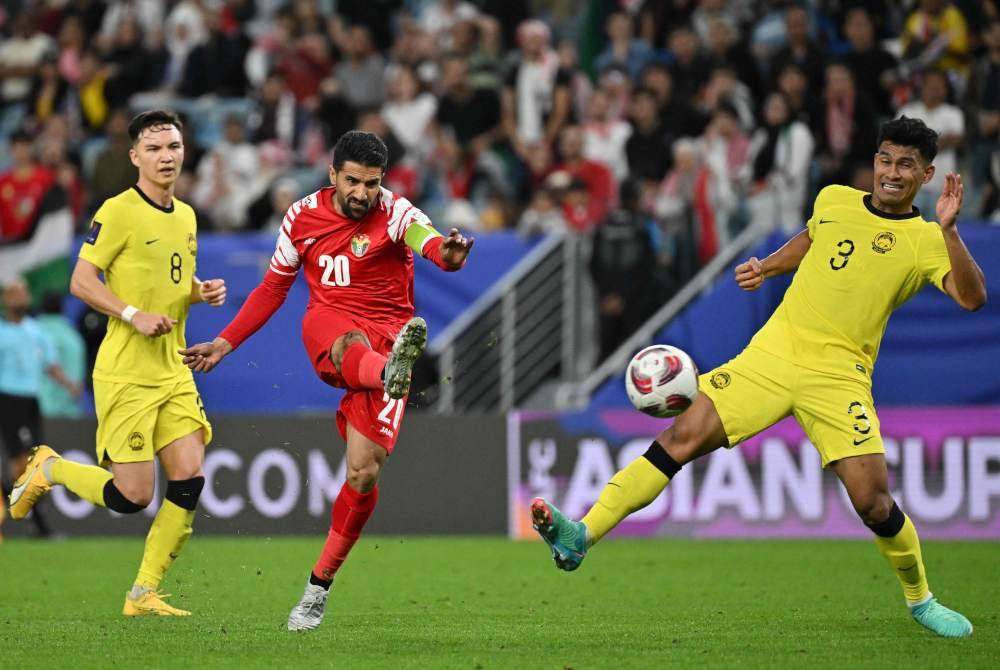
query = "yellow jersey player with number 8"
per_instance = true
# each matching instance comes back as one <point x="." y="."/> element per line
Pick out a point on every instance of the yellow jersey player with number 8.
<point x="144" y="241"/>
<point x="861" y="256"/>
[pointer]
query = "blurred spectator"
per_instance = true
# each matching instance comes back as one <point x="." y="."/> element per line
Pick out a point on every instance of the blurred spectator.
<point x="216" y="65"/>
<point x="112" y="171"/>
<point x="304" y="64"/>
<point x="709" y="13"/>
<point x="604" y="137"/>
<point x="727" y="158"/>
<point x="689" y="67"/>
<point x="596" y="179"/>
<point x="873" y="68"/>
<point x="536" y="98"/>
<point x="21" y="55"/>
<point x="580" y="86"/>
<point x="657" y="18"/>
<point x="792" y="83"/>
<point x="91" y="93"/>
<point x="936" y="35"/>
<point x="72" y="41"/>
<point x="409" y="111"/>
<point x="360" y="75"/>
<point x="623" y="50"/>
<point x="682" y="206"/>
<point x="543" y="215"/>
<point x="147" y="15"/>
<point x="334" y="114"/>
<point x="985" y="103"/>
<point x="782" y="151"/>
<point x="277" y="115"/>
<point x="438" y="17"/>
<point x="846" y="131"/>
<point x="800" y="49"/>
<point x="229" y="177"/>
<point x="377" y="17"/>
<point x="22" y="188"/>
<point x="676" y="112"/>
<point x="469" y="116"/>
<point x="647" y="149"/>
<point x="54" y="154"/>
<point x="624" y="269"/>
<point x="723" y="86"/>
<point x="282" y="195"/>
<point x="49" y="91"/>
<point x="136" y="63"/>
<point x="467" y="42"/>
<point x="184" y="30"/>
<point x="726" y="48"/>
<point x="947" y="120"/>
<point x="53" y="398"/>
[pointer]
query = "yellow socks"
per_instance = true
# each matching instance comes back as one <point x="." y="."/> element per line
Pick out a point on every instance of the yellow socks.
<point x="170" y="530"/>
<point x="86" y="481"/>
<point x="631" y="488"/>
<point x="901" y="550"/>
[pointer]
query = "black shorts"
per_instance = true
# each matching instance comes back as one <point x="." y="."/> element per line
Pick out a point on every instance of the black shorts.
<point x="20" y="423"/>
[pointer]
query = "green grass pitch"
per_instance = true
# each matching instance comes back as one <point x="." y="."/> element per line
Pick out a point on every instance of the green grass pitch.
<point x="476" y="603"/>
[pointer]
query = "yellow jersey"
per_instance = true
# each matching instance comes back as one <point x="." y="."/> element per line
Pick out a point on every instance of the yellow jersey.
<point x="147" y="253"/>
<point x="861" y="266"/>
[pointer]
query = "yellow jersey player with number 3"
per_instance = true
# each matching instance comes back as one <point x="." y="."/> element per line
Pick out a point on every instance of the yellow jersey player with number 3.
<point x="145" y="243"/>
<point x="861" y="256"/>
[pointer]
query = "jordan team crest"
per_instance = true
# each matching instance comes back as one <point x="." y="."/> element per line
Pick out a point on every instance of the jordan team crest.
<point x="360" y="244"/>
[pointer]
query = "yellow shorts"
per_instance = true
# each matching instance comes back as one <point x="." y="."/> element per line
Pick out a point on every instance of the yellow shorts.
<point x="757" y="389"/>
<point x="134" y="422"/>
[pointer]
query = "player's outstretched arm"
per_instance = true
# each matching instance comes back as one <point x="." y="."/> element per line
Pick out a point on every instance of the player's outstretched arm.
<point x="751" y="274"/>
<point x="448" y="253"/>
<point x="210" y="291"/>
<point x="965" y="282"/>
<point x="205" y="356"/>
<point x="86" y="285"/>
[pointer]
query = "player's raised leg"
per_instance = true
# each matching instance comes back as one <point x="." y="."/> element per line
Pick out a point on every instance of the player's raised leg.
<point x="867" y="482"/>
<point x="351" y="511"/>
<point x="365" y="369"/>
<point x="694" y="433"/>
<point x="182" y="462"/>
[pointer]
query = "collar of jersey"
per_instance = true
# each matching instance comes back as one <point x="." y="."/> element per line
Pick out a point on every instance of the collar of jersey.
<point x="168" y="210"/>
<point x="912" y="214"/>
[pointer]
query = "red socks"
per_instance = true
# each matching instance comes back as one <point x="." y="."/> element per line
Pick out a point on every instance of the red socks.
<point x="361" y="367"/>
<point x="350" y="513"/>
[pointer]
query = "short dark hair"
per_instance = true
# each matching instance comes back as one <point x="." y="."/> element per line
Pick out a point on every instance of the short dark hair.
<point x="908" y="132"/>
<point x="152" y="119"/>
<point x="360" y="147"/>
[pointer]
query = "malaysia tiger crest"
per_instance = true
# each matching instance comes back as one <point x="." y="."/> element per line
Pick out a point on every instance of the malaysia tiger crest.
<point x="360" y="244"/>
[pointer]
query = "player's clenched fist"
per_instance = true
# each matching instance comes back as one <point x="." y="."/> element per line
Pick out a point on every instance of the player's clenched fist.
<point x="750" y="275"/>
<point x="153" y="325"/>
<point x="213" y="292"/>
<point x="205" y="356"/>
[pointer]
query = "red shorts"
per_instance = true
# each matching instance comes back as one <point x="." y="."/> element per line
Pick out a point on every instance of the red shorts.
<point x="372" y="413"/>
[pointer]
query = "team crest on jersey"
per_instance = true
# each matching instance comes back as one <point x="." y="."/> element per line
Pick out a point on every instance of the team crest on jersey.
<point x="360" y="244"/>
<point x="720" y="380"/>
<point x="884" y="242"/>
<point x="192" y="244"/>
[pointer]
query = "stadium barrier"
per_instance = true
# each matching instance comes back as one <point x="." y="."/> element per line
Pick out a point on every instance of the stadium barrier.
<point x="477" y="474"/>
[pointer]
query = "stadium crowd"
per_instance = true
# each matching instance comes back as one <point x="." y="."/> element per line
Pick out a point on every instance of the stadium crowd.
<point x="660" y="127"/>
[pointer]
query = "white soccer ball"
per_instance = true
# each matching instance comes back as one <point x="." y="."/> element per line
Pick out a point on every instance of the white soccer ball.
<point x="661" y="381"/>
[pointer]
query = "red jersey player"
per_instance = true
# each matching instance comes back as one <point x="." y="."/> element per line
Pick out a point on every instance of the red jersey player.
<point x="354" y="240"/>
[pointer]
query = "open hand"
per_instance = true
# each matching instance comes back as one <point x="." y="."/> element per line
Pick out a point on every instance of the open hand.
<point x="950" y="202"/>
<point x="213" y="292"/>
<point x="205" y="356"/>
<point x="455" y="248"/>
<point x="750" y="275"/>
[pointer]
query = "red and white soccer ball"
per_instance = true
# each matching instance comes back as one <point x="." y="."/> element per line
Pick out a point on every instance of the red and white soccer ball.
<point x="661" y="381"/>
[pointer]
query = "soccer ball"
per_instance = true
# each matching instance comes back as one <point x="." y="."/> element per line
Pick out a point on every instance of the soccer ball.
<point x="661" y="381"/>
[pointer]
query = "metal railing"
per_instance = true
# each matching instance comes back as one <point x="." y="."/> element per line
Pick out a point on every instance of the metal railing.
<point x="525" y="329"/>
<point x="575" y="395"/>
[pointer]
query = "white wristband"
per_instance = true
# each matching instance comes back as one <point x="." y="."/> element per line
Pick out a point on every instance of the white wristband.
<point x="128" y="313"/>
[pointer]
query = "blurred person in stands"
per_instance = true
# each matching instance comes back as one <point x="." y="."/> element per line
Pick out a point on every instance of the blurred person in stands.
<point x="216" y="65"/>
<point x="72" y="41"/>
<point x="677" y="114"/>
<point x="137" y="61"/>
<point x="648" y="147"/>
<point x="800" y="49"/>
<point x="947" y="121"/>
<point x="781" y="150"/>
<point x="21" y="56"/>
<point x="229" y="177"/>
<point x="624" y="49"/>
<point x="724" y="47"/>
<point x="597" y="179"/>
<point x="22" y="188"/>
<point x="91" y="95"/>
<point x="873" y="67"/>
<point x="984" y="98"/>
<point x="277" y="116"/>
<point x="727" y="157"/>
<point x="846" y="129"/>
<point x="682" y="204"/>
<point x="936" y="35"/>
<point x="360" y="75"/>
<point x="112" y="173"/>
<point x="54" y="399"/>
<point x="49" y="91"/>
<point x="792" y="84"/>
<point x="27" y="355"/>
<point x="184" y="30"/>
<point x="536" y="95"/>
<point x="723" y="86"/>
<point x="54" y="154"/>
<point x="689" y="65"/>
<point x="542" y="216"/>
<point x="408" y="111"/>
<point x="604" y="137"/>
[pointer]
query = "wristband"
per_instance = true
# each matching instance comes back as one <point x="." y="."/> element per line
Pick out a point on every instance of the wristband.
<point x="128" y="313"/>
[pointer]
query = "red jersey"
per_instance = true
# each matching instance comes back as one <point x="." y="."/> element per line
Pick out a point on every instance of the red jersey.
<point x="362" y="268"/>
<point x="19" y="200"/>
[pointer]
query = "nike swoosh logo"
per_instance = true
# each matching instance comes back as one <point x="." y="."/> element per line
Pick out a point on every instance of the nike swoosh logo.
<point x="151" y="241"/>
<point x="857" y="441"/>
<point x="18" y="491"/>
<point x="822" y="221"/>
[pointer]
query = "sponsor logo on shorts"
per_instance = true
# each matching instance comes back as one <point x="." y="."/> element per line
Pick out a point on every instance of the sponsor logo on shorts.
<point x="385" y="431"/>
<point x="360" y="244"/>
<point x="883" y="242"/>
<point x="136" y="441"/>
<point x="720" y="380"/>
